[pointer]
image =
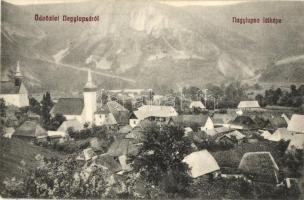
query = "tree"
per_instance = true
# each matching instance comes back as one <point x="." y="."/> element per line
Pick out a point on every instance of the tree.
<point x="2" y="108"/>
<point x="47" y="105"/>
<point x="160" y="159"/>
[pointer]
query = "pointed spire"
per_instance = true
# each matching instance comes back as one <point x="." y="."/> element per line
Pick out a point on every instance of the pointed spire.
<point x="90" y="84"/>
<point x="18" y="71"/>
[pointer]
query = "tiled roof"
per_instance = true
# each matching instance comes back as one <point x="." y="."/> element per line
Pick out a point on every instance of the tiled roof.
<point x="8" y="87"/>
<point x="68" y="106"/>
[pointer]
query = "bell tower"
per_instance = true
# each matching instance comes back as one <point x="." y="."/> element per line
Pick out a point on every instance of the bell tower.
<point x="90" y="104"/>
<point x="18" y="75"/>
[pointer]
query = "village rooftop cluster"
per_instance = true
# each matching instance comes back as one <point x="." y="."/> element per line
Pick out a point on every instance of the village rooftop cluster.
<point x="249" y="143"/>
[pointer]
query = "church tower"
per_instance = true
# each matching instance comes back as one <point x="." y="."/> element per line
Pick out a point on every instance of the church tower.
<point x="18" y="75"/>
<point x="90" y="104"/>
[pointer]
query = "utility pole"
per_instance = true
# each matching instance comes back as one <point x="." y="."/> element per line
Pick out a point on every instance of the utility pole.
<point x="181" y="102"/>
<point x="206" y="97"/>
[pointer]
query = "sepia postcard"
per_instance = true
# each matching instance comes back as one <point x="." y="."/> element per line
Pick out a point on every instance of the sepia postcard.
<point x="152" y="99"/>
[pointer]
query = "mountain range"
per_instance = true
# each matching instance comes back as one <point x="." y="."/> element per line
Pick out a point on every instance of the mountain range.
<point x="148" y="44"/>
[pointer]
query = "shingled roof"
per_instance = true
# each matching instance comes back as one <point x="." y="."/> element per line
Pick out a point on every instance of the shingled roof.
<point x="68" y="106"/>
<point x="9" y="87"/>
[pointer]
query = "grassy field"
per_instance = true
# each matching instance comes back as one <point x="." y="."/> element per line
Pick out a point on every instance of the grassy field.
<point x="16" y="153"/>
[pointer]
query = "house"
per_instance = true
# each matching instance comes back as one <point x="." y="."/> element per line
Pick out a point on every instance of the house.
<point x="137" y="133"/>
<point x="30" y="130"/>
<point x="201" y="163"/>
<point x="197" y="105"/>
<point x="265" y="134"/>
<point x="156" y="113"/>
<point x="243" y="123"/>
<point x="232" y="138"/>
<point x="260" y="167"/>
<point x="57" y="136"/>
<point x="74" y="124"/>
<point x="120" y="113"/>
<point x="8" y="132"/>
<point x="14" y="91"/>
<point x="105" y="118"/>
<point x="195" y="122"/>
<point x="223" y="119"/>
<point x="296" y="142"/>
<point x="281" y="134"/>
<point x="123" y="147"/>
<point x="296" y="124"/>
<point x="107" y="161"/>
<point x="86" y="154"/>
<point x="249" y="105"/>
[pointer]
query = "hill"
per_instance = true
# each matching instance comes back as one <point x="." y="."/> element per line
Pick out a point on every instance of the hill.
<point x="145" y="44"/>
<point x="14" y="152"/>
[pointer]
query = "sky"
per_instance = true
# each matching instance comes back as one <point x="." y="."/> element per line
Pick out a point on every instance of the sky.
<point x="168" y="2"/>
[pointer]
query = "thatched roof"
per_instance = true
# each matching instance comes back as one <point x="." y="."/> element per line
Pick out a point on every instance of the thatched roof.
<point x="201" y="163"/>
<point x="260" y="165"/>
<point x="30" y="129"/>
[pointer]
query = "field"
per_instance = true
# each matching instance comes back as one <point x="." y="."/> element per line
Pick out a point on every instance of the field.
<point x="16" y="154"/>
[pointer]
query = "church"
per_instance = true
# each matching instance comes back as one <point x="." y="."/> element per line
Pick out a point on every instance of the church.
<point x="14" y="91"/>
<point x="84" y="110"/>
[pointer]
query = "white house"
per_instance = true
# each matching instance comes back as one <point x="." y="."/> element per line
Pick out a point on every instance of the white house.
<point x="249" y="105"/>
<point x="153" y="113"/>
<point x="296" y="124"/>
<point x="14" y="92"/>
<point x="197" y="104"/>
<point x="196" y="122"/>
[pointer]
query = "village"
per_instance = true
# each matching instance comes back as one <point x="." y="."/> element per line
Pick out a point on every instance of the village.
<point x="136" y="143"/>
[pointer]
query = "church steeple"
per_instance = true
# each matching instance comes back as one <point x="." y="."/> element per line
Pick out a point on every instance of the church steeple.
<point x="90" y="99"/>
<point x="89" y="86"/>
<point x="18" y="75"/>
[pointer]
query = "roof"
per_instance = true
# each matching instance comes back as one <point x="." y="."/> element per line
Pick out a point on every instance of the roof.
<point x="261" y="165"/>
<point x="123" y="147"/>
<point x="109" y="162"/>
<point x="280" y="134"/>
<point x="146" y="111"/>
<point x="238" y="135"/>
<point x="197" y="104"/>
<point x="125" y="130"/>
<point x="192" y="121"/>
<point x="68" y="106"/>
<point x="56" y="134"/>
<point x="201" y="163"/>
<point x="265" y="134"/>
<point x="296" y="141"/>
<point x="75" y="124"/>
<point x="249" y="104"/>
<point x="296" y="123"/>
<point x="8" y="87"/>
<point x="30" y="129"/>
<point x="110" y="120"/>
<point x="245" y="121"/>
<point x="120" y="113"/>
